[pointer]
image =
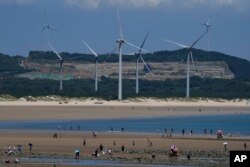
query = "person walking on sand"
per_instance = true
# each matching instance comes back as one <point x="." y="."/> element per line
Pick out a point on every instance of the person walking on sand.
<point x="245" y="146"/>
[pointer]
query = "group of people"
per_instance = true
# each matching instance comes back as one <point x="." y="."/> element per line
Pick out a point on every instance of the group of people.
<point x="9" y="150"/>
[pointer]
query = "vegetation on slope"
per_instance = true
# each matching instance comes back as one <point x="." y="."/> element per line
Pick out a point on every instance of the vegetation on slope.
<point x="214" y="88"/>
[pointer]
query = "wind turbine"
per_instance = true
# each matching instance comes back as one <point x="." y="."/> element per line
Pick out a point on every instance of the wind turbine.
<point x="208" y="26"/>
<point x="189" y="55"/>
<point x="138" y="57"/>
<point x="61" y="66"/>
<point x="96" y="63"/>
<point x="120" y="42"/>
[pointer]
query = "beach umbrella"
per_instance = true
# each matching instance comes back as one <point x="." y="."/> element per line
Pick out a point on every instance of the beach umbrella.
<point x="219" y="132"/>
<point x="173" y="147"/>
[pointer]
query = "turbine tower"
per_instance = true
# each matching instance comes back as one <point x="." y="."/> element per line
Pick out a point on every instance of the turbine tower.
<point x="61" y="66"/>
<point x="208" y="26"/>
<point x="120" y="42"/>
<point x="138" y="57"/>
<point x="189" y="55"/>
<point x="96" y="64"/>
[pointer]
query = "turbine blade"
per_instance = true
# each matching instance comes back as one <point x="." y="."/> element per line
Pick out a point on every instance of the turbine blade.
<point x="143" y="43"/>
<point x="55" y="51"/>
<point x="96" y="55"/>
<point x="109" y="54"/>
<point x="197" y="40"/>
<point x="51" y="28"/>
<point x="46" y="17"/>
<point x="136" y="46"/>
<point x="120" y="25"/>
<point x="146" y="65"/>
<point x="191" y="55"/>
<point x="175" y="43"/>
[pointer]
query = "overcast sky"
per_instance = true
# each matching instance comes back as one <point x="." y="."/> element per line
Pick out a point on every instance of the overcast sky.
<point x="95" y="21"/>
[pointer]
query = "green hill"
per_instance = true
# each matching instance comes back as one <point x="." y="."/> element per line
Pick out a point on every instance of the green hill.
<point x="239" y="87"/>
<point x="10" y="65"/>
<point x="240" y="67"/>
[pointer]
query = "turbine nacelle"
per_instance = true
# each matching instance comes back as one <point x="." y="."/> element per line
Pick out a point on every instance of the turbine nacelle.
<point x="120" y="41"/>
<point x="48" y="28"/>
<point x="61" y="61"/>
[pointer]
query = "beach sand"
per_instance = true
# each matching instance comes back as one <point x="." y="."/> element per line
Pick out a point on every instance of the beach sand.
<point x="44" y="145"/>
<point x="203" y="148"/>
<point x="93" y="109"/>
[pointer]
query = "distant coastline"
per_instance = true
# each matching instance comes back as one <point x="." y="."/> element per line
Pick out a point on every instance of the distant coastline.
<point x="61" y="109"/>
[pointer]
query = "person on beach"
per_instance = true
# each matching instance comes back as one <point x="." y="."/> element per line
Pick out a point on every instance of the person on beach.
<point x="172" y="130"/>
<point x="123" y="148"/>
<point x="173" y="151"/>
<point x="205" y="131"/>
<point x="245" y="146"/>
<point x="96" y="153"/>
<point x="30" y="146"/>
<point x="189" y="155"/>
<point x="133" y="143"/>
<point x="225" y="146"/>
<point x="94" y="134"/>
<point x="19" y="149"/>
<point x="211" y="131"/>
<point x="191" y="132"/>
<point x="55" y="135"/>
<point x="84" y="142"/>
<point x="77" y="154"/>
<point x="114" y="143"/>
<point x="183" y="132"/>
<point x="101" y="147"/>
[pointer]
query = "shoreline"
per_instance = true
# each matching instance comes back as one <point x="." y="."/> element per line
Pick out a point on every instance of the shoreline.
<point x="130" y="102"/>
<point x="202" y="147"/>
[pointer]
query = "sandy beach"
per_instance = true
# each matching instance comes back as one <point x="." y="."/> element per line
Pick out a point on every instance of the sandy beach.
<point x="202" y="148"/>
<point x="96" y="109"/>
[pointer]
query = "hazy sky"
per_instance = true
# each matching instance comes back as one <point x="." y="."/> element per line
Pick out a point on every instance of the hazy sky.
<point x="95" y="21"/>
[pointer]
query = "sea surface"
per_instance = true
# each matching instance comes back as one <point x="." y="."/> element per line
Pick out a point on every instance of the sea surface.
<point x="233" y="124"/>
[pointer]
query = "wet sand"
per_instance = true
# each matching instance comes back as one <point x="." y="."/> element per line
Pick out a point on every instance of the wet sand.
<point x="202" y="148"/>
<point x="205" y="150"/>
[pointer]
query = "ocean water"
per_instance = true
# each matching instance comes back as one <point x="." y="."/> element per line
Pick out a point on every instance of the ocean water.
<point x="234" y="124"/>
